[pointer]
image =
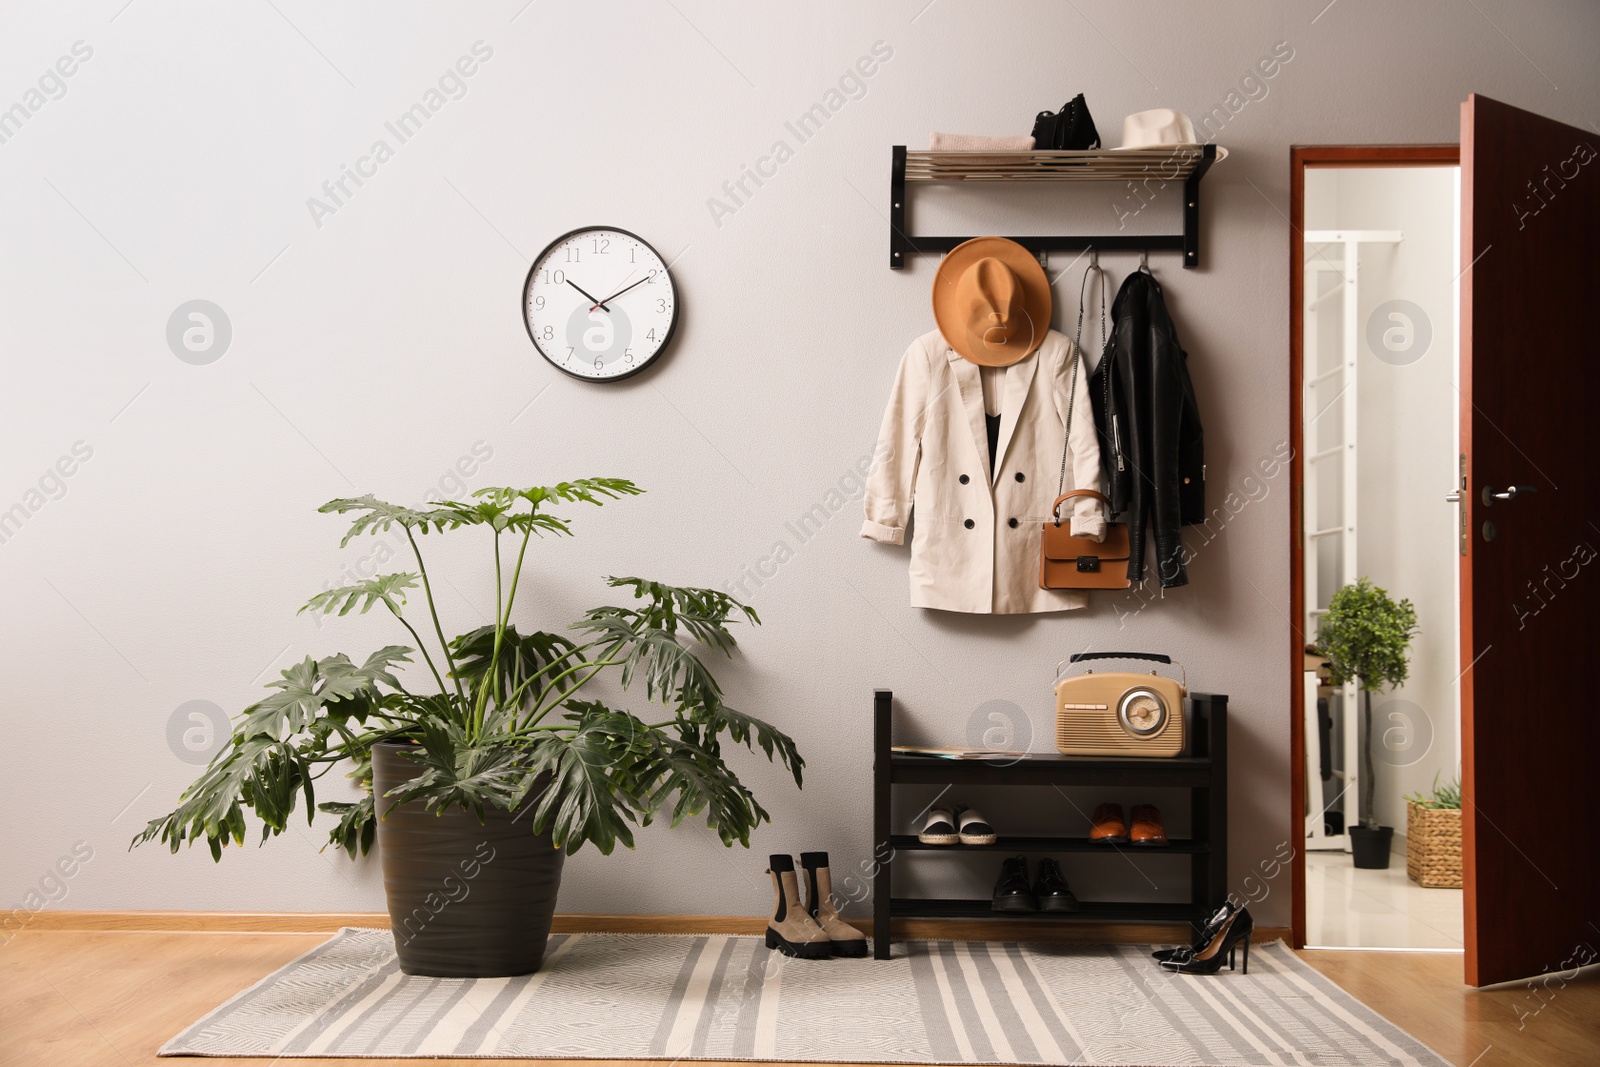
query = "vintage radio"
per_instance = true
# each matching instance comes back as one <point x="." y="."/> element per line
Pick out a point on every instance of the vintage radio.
<point x="1120" y="714"/>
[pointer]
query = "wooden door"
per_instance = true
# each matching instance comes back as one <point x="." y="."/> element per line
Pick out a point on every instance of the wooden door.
<point x="1530" y="564"/>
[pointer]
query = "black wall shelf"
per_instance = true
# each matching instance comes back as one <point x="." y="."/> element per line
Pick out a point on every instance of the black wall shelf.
<point x="1185" y="164"/>
<point x="1204" y="773"/>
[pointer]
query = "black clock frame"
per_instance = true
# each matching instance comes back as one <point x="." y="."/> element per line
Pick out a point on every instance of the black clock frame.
<point x="672" y="328"/>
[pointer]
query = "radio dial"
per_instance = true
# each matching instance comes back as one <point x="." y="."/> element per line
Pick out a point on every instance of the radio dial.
<point x="1142" y="712"/>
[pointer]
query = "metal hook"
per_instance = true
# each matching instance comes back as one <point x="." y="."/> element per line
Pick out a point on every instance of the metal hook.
<point x="1044" y="258"/>
<point x="1094" y="258"/>
<point x="1144" y="260"/>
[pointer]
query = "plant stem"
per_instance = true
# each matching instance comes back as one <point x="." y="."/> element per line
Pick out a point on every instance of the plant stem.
<point x="526" y="731"/>
<point x="492" y="678"/>
<point x="497" y="586"/>
<point x="1369" y="818"/>
<point x="541" y="708"/>
<point x="501" y="621"/>
<point x="421" y="647"/>
<point x="516" y="574"/>
<point x="499" y="614"/>
<point x="516" y="694"/>
<point x="427" y="587"/>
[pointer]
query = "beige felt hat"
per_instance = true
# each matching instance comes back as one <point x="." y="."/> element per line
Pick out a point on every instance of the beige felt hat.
<point x="991" y="301"/>
<point x="1160" y="127"/>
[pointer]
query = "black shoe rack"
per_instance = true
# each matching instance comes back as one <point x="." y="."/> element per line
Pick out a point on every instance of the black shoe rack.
<point x="1204" y="772"/>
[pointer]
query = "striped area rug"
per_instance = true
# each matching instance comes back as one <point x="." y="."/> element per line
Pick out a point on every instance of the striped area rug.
<point x="615" y="996"/>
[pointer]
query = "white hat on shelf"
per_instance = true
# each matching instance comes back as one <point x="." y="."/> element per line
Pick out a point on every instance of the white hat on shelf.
<point x="1160" y="127"/>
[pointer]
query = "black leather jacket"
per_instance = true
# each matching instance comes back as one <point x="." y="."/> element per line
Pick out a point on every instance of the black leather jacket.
<point x="1151" y="442"/>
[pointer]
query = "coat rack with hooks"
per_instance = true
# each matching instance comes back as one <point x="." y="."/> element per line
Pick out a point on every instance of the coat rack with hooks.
<point x="1182" y="163"/>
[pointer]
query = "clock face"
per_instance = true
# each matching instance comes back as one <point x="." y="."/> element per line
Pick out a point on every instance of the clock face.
<point x="599" y="304"/>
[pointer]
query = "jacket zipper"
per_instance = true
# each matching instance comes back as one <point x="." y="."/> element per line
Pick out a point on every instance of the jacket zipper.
<point x="1105" y="402"/>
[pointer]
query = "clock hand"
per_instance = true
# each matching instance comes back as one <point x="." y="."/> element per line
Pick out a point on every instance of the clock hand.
<point x="619" y="292"/>
<point x="597" y="303"/>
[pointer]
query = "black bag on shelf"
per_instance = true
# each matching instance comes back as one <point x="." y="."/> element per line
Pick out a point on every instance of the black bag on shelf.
<point x="1070" y="128"/>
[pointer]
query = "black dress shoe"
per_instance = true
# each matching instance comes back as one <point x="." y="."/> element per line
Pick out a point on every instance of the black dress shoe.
<point x="1012" y="893"/>
<point x="1051" y="890"/>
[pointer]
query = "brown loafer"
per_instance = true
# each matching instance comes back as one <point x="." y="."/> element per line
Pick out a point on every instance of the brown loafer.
<point x="1147" y="828"/>
<point x="1109" y="828"/>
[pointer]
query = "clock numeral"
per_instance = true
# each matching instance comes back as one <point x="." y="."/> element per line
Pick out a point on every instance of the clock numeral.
<point x="554" y="277"/>
<point x="652" y="279"/>
<point x="651" y="336"/>
<point x="633" y="256"/>
<point x="573" y="252"/>
<point x="602" y="246"/>
<point x="538" y="303"/>
<point x="599" y="363"/>
<point x="661" y="305"/>
<point x="627" y="356"/>
<point x="569" y="352"/>
<point x="548" y="333"/>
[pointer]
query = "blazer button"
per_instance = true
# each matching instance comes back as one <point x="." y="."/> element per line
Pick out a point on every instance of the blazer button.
<point x="969" y="524"/>
<point x="1021" y="477"/>
<point x="1012" y="524"/>
<point x="963" y="479"/>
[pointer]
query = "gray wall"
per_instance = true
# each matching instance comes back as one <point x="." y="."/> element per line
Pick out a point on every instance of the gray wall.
<point x="376" y="347"/>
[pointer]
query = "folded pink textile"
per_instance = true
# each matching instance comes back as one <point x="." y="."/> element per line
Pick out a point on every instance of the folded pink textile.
<point x="976" y="142"/>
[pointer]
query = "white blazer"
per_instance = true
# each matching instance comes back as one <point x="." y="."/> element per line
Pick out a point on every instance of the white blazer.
<point x="976" y="543"/>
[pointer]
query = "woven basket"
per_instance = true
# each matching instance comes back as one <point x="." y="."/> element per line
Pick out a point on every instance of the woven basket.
<point x="1433" y="846"/>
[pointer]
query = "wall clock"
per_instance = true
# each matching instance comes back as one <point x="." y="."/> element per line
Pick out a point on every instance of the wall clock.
<point x="600" y="304"/>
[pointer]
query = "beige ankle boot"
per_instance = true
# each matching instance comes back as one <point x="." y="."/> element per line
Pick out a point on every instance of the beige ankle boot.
<point x="792" y="930"/>
<point x="847" y="940"/>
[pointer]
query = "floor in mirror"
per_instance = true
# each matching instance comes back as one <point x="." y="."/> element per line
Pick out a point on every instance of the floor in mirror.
<point x="1361" y="908"/>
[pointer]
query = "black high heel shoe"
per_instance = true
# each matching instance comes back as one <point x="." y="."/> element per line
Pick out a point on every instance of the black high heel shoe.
<point x="1203" y="938"/>
<point x="1209" y="959"/>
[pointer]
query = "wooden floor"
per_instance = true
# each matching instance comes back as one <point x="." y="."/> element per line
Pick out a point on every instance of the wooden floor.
<point x="76" y="998"/>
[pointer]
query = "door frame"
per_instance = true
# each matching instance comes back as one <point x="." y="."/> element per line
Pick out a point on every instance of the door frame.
<point x="1300" y="158"/>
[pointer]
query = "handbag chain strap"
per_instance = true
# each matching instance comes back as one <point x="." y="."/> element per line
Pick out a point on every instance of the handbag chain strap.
<point x="1077" y="358"/>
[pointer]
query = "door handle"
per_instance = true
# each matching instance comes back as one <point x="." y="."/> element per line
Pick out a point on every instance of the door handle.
<point x="1510" y="492"/>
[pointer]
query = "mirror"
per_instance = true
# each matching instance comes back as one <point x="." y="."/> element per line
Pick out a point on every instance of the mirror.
<point x="1377" y="456"/>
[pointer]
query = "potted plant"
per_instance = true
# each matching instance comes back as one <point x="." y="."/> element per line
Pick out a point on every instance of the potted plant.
<point x="479" y="784"/>
<point x="1433" y="836"/>
<point x="1365" y="636"/>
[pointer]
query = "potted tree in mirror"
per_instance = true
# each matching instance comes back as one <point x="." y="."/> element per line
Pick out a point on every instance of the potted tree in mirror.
<point x="479" y="780"/>
<point x="1365" y="636"/>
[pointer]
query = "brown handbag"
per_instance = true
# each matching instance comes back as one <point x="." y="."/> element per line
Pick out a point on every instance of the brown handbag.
<point x="1065" y="561"/>
<point x="1068" y="562"/>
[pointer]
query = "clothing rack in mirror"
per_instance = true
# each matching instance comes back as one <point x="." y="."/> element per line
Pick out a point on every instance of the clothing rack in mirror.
<point x="1185" y="164"/>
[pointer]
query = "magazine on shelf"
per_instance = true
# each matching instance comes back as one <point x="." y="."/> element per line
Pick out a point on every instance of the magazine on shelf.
<point x="934" y="752"/>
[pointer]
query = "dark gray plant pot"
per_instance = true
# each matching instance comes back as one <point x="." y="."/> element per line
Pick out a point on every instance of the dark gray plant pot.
<point x="467" y="899"/>
<point x="1369" y="847"/>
